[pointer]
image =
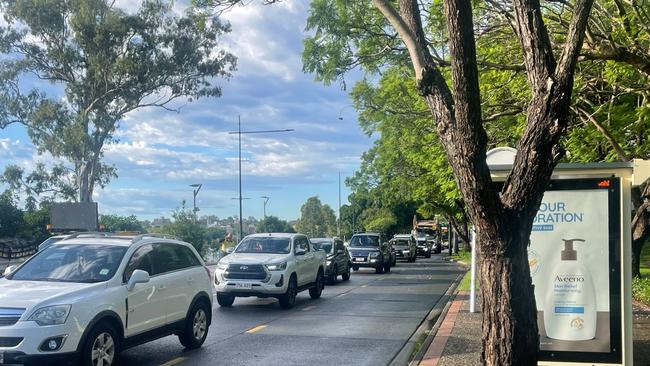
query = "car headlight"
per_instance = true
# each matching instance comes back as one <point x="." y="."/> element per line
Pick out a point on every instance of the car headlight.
<point x="426" y="249"/>
<point x="222" y="266"/>
<point x="328" y="263"/>
<point x="51" y="315"/>
<point x="277" y="267"/>
<point x="374" y="254"/>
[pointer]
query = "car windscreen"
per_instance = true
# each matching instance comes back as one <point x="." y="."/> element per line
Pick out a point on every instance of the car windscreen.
<point x="323" y="245"/>
<point x="84" y="263"/>
<point x="364" y="241"/>
<point x="268" y="245"/>
<point x="401" y="242"/>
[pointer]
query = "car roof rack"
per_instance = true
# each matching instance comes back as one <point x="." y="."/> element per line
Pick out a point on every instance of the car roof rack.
<point x="152" y="235"/>
<point x="90" y="234"/>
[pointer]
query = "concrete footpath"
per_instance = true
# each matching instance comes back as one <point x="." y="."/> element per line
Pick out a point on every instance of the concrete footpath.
<point x="457" y="341"/>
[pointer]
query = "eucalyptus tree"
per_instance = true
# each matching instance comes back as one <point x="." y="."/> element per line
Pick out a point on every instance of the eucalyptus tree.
<point x="90" y="64"/>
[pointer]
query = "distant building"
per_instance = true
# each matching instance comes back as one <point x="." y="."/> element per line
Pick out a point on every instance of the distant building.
<point x="160" y="222"/>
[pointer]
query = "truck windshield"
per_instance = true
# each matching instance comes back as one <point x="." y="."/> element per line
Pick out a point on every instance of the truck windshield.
<point x="324" y="245"/>
<point x="84" y="263"/>
<point x="401" y="242"/>
<point x="364" y="241"/>
<point x="269" y="245"/>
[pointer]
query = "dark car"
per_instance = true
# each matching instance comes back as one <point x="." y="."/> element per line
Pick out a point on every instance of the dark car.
<point x="338" y="258"/>
<point x="370" y="251"/>
<point x="404" y="247"/>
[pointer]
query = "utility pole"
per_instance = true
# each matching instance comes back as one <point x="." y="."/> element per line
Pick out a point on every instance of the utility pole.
<point x="338" y="222"/>
<point x="239" y="132"/>
<point x="197" y="188"/>
<point x="266" y="200"/>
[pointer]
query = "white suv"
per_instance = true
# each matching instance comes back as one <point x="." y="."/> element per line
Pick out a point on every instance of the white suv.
<point x="91" y="297"/>
<point x="271" y="265"/>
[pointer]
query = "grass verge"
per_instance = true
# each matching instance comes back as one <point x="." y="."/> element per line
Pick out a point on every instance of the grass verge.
<point x="641" y="286"/>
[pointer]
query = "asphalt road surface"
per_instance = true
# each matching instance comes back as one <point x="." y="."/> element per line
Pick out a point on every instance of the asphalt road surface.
<point x="365" y="321"/>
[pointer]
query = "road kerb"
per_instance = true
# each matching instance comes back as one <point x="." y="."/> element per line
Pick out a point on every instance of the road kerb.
<point x="437" y="346"/>
<point x="426" y="328"/>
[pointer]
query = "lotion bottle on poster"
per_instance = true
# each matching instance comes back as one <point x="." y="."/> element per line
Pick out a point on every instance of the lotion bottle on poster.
<point x="570" y="303"/>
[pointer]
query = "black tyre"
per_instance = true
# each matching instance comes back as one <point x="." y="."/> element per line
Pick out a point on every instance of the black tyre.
<point x="355" y="268"/>
<point x="428" y="255"/>
<point x="225" y="300"/>
<point x="289" y="298"/>
<point x="196" y="326"/>
<point x="317" y="290"/>
<point x="379" y="270"/>
<point x="332" y="278"/>
<point x="387" y="268"/>
<point x="101" y="347"/>
<point x="346" y="275"/>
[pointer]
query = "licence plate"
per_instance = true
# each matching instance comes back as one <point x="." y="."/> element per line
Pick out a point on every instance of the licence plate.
<point x="244" y="285"/>
<point x="359" y="259"/>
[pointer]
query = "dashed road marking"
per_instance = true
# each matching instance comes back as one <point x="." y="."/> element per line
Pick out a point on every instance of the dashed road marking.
<point x="173" y="362"/>
<point x="256" y="329"/>
<point x="307" y="308"/>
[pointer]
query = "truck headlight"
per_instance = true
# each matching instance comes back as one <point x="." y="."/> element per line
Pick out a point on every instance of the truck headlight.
<point x="406" y="251"/>
<point x="277" y="267"/>
<point x="328" y="263"/>
<point x="222" y="266"/>
<point x="374" y="254"/>
<point x="51" y="315"/>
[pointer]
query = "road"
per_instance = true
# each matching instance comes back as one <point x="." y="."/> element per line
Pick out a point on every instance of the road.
<point x="365" y="321"/>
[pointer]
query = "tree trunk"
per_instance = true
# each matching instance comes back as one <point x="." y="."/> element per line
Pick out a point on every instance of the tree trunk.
<point x="510" y="333"/>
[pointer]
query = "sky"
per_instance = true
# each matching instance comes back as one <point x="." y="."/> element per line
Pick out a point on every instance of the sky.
<point x="160" y="153"/>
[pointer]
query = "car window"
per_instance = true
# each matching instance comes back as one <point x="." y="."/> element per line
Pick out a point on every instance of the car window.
<point x="339" y="245"/>
<point x="82" y="263"/>
<point x="259" y="244"/>
<point x="302" y="243"/>
<point x="188" y="256"/>
<point x="141" y="259"/>
<point x="168" y="257"/>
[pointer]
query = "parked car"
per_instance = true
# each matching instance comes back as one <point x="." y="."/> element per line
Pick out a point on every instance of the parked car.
<point x="338" y="258"/>
<point x="271" y="265"/>
<point x="91" y="297"/>
<point x="369" y="250"/>
<point x="404" y="246"/>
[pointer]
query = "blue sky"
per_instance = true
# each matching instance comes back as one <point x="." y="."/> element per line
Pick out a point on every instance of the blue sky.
<point x="160" y="153"/>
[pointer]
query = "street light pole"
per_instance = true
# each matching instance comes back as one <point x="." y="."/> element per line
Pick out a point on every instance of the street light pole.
<point x="338" y="222"/>
<point x="266" y="200"/>
<point x="241" y="220"/>
<point x="197" y="188"/>
<point x="240" y="132"/>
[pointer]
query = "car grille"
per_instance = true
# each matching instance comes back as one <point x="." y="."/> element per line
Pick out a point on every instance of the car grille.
<point x="10" y="341"/>
<point x="354" y="253"/>
<point x="9" y="316"/>
<point x="245" y="272"/>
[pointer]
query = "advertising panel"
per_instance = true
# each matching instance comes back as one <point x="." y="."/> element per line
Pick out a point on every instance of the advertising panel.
<point x="574" y="258"/>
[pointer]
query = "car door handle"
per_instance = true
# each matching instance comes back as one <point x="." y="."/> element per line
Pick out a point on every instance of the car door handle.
<point x="190" y="279"/>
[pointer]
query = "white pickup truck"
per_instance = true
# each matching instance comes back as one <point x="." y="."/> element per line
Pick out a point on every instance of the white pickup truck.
<point x="271" y="265"/>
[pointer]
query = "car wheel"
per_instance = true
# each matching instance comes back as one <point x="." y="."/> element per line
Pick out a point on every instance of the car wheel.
<point x="379" y="269"/>
<point x="101" y="346"/>
<point x="387" y="268"/>
<point x="196" y="326"/>
<point x="289" y="298"/>
<point x="428" y="255"/>
<point x="317" y="290"/>
<point x="355" y="268"/>
<point x="346" y="275"/>
<point x="225" y="300"/>
<point x="332" y="277"/>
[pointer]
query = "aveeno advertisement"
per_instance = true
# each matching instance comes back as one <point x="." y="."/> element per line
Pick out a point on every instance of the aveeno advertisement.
<point x="569" y="258"/>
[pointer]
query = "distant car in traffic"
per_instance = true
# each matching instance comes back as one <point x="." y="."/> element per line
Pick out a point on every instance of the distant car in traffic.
<point x="338" y="258"/>
<point x="89" y="297"/>
<point x="276" y="265"/>
<point x="404" y="247"/>
<point x="370" y="251"/>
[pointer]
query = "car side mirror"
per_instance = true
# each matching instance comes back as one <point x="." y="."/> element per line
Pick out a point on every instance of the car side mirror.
<point x="300" y="251"/>
<point x="138" y="276"/>
<point x="8" y="270"/>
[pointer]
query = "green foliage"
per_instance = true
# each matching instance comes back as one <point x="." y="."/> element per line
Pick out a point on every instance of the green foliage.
<point x="114" y="223"/>
<point x="185" y="227"/>
<point x="641" y="289"/>
<point x="11" y="218"/>
<point x="316" y="219"/>
<point x="107" y="63"/>
<point x="272" y="224"/>
<point x="16" y="223"/>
